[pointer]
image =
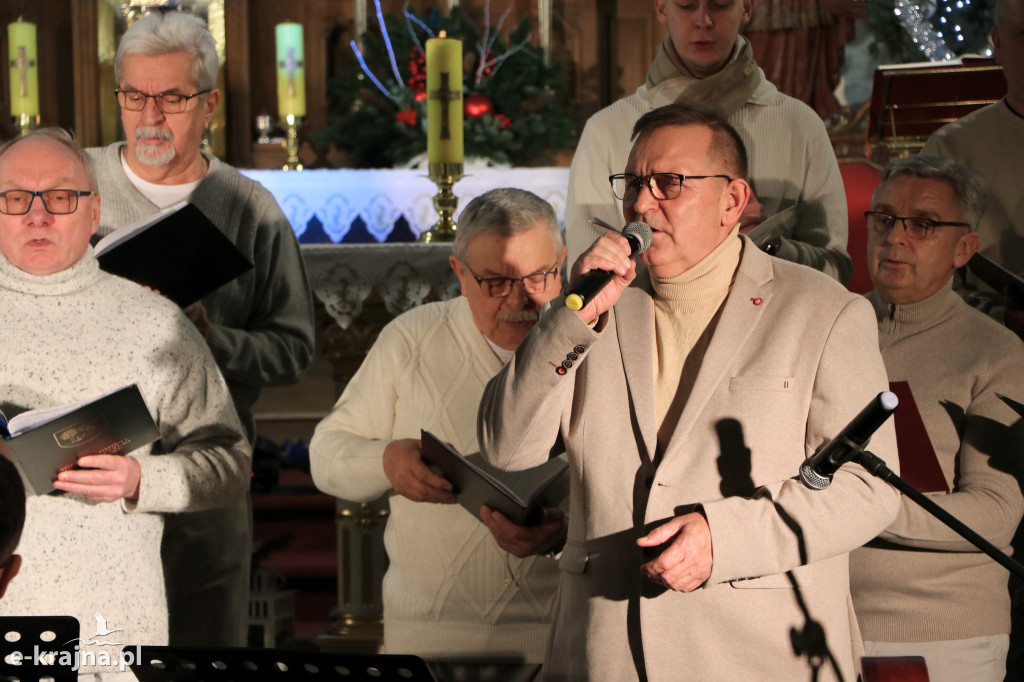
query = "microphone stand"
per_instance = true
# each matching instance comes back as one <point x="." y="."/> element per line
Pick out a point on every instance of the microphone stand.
<point x="877" y="466"/>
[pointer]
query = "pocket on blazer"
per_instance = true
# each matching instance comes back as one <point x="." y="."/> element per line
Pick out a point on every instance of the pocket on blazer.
<point x="574" y="559"/>
<point x="801" y="574"/>
<point x="757" y="382"/>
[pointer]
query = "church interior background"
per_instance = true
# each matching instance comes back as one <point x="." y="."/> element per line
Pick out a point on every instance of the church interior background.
<point x="541" y="68"/>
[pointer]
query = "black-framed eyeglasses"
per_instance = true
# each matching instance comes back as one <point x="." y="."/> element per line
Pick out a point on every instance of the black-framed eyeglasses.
<point x="56" y="201"/>
<point x="663" y="186"/>
<point x="500" y="287"/>
<point x="882" y="223"/>
<point x="166" y="102"/>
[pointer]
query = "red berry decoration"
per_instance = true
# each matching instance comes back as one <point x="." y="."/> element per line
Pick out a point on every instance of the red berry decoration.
<point x="478" y="105"/>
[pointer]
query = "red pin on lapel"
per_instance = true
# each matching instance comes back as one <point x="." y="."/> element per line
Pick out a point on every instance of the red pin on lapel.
<point x="757" y="301"/>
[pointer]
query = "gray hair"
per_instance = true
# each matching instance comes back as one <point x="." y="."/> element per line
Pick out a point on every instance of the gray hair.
<point x="968" y="185"/>
<point x="157" y="34"/>
<point x="63" y="137"/>
<point x="507" y="212"/>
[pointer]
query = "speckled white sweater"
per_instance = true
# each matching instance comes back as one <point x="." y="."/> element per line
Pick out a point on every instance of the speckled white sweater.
<point x="69" y="337"/>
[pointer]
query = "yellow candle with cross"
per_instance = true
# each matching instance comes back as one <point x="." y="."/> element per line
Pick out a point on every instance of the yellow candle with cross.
<point x="21" y="40"/>
<point x="444" y="100"/>
<point x="291" y="70"/>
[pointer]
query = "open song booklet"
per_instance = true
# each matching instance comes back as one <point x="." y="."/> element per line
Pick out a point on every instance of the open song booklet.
<point x="46" y="441"/>
<point x="520" y="495"/>
<point x="177" y="252"/>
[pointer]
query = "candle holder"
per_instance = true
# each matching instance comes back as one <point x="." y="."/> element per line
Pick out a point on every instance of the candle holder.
<point x="291" y="142"/>
<point x="25" y="123"/>
<point x="264" y="126"/>
<point x="444" y="175"/>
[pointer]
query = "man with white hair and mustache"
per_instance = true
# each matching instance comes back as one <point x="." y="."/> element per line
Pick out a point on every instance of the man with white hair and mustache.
<point x="451" y="591"/>
<point x="259" y="327"/>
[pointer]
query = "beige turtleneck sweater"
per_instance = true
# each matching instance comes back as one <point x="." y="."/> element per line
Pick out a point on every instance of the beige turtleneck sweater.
<point x="919" y="581"/>
<point x="685" y="311"/>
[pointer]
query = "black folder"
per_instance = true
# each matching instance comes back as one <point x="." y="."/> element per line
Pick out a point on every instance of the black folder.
<point x="177" y="252"/>
<point x="519" y="495"/>
<point x="113" y="424"/>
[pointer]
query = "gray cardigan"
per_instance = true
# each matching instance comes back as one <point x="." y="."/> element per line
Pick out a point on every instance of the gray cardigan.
<point x="261" y="323"/>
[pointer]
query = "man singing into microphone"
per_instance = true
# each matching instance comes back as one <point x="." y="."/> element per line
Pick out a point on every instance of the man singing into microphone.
<point x="693" y="551"/>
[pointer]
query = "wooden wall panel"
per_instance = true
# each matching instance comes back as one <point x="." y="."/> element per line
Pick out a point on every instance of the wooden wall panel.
<point x="237" y="82"/>
<point x="87" y="123"/>
<point x="637" y="40"/>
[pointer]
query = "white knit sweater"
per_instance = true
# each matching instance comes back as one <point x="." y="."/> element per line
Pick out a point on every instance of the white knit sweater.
<point x="69" y="337"/>
<point x="448" y="592"/>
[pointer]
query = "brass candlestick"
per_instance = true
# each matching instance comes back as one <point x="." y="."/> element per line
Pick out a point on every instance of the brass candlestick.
<point x="25" y="123"/>
<point x="444" y="175"/>
<point x="291" y="142"/>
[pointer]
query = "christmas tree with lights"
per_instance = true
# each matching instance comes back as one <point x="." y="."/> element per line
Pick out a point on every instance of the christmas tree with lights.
<point x="936" y="30"/>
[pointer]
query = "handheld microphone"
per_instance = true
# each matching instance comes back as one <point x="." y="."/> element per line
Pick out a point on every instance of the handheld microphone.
<point x="639" y="236"/>
<point x="816" y="472"/>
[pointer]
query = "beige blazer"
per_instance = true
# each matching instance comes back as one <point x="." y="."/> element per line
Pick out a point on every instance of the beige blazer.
<point x="793" y="358"/>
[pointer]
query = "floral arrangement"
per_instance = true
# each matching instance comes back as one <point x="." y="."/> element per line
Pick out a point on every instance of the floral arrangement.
<point x="377" y="113"/>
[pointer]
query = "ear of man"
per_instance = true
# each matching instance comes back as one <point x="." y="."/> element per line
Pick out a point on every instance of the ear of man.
<point x="733" y="200"/>
<point x="965" y="248"/>
<point x="210" y="105"/>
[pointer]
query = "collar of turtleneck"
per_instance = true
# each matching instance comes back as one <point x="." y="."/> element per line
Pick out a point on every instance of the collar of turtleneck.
<point x="910" y="318"/>
<point x="711" y="276"/>
<point x="79" y="276"/>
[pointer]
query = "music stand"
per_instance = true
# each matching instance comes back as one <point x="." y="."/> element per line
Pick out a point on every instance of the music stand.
<point x="164" y="664"/>
<point x="19" y="637"/>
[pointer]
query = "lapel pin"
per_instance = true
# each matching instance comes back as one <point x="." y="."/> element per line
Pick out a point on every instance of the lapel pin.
<point x="757" y="301"/>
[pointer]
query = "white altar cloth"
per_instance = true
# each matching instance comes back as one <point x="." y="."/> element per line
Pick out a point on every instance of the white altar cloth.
<point x="380" y="197"/>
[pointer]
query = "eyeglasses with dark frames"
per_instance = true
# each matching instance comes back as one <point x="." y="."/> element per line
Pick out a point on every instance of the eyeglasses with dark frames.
<point x="663" y="186"/>
<point x="882" y="223"/>
<point x="166" y="102"/>
<point x="56" y="201"/>
<point x="500" y="287"/>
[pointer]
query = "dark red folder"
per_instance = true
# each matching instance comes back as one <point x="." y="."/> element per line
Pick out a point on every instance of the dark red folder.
<point x="919" y="466"/>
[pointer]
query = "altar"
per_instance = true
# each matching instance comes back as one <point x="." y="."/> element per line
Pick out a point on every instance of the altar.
<point x="389" y="205"/>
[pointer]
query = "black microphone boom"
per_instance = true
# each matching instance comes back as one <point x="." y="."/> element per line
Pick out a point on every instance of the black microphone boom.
<point x="817" y="471"/>
<point x="639" y="236"/>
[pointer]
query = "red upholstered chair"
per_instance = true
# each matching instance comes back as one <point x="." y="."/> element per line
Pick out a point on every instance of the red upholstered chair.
<point x="860" y="178"/>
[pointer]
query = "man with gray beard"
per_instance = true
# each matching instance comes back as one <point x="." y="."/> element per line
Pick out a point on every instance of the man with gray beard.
<point x="258" y="327"/>
<point x="451" y="591"/>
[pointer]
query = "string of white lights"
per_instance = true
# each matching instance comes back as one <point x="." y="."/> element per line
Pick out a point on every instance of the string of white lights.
<point x="928" y="40"/>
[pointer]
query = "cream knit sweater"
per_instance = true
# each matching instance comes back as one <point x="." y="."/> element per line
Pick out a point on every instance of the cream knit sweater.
<point x="991" y="141"/>
<point x="919" y="581"/>
<point x="449" y="591"/>
<point x="69" y="337"/>
<point x="792" y="165"/>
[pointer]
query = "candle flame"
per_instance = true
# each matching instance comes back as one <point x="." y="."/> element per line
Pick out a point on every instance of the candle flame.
<point x="442" y="34"/>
